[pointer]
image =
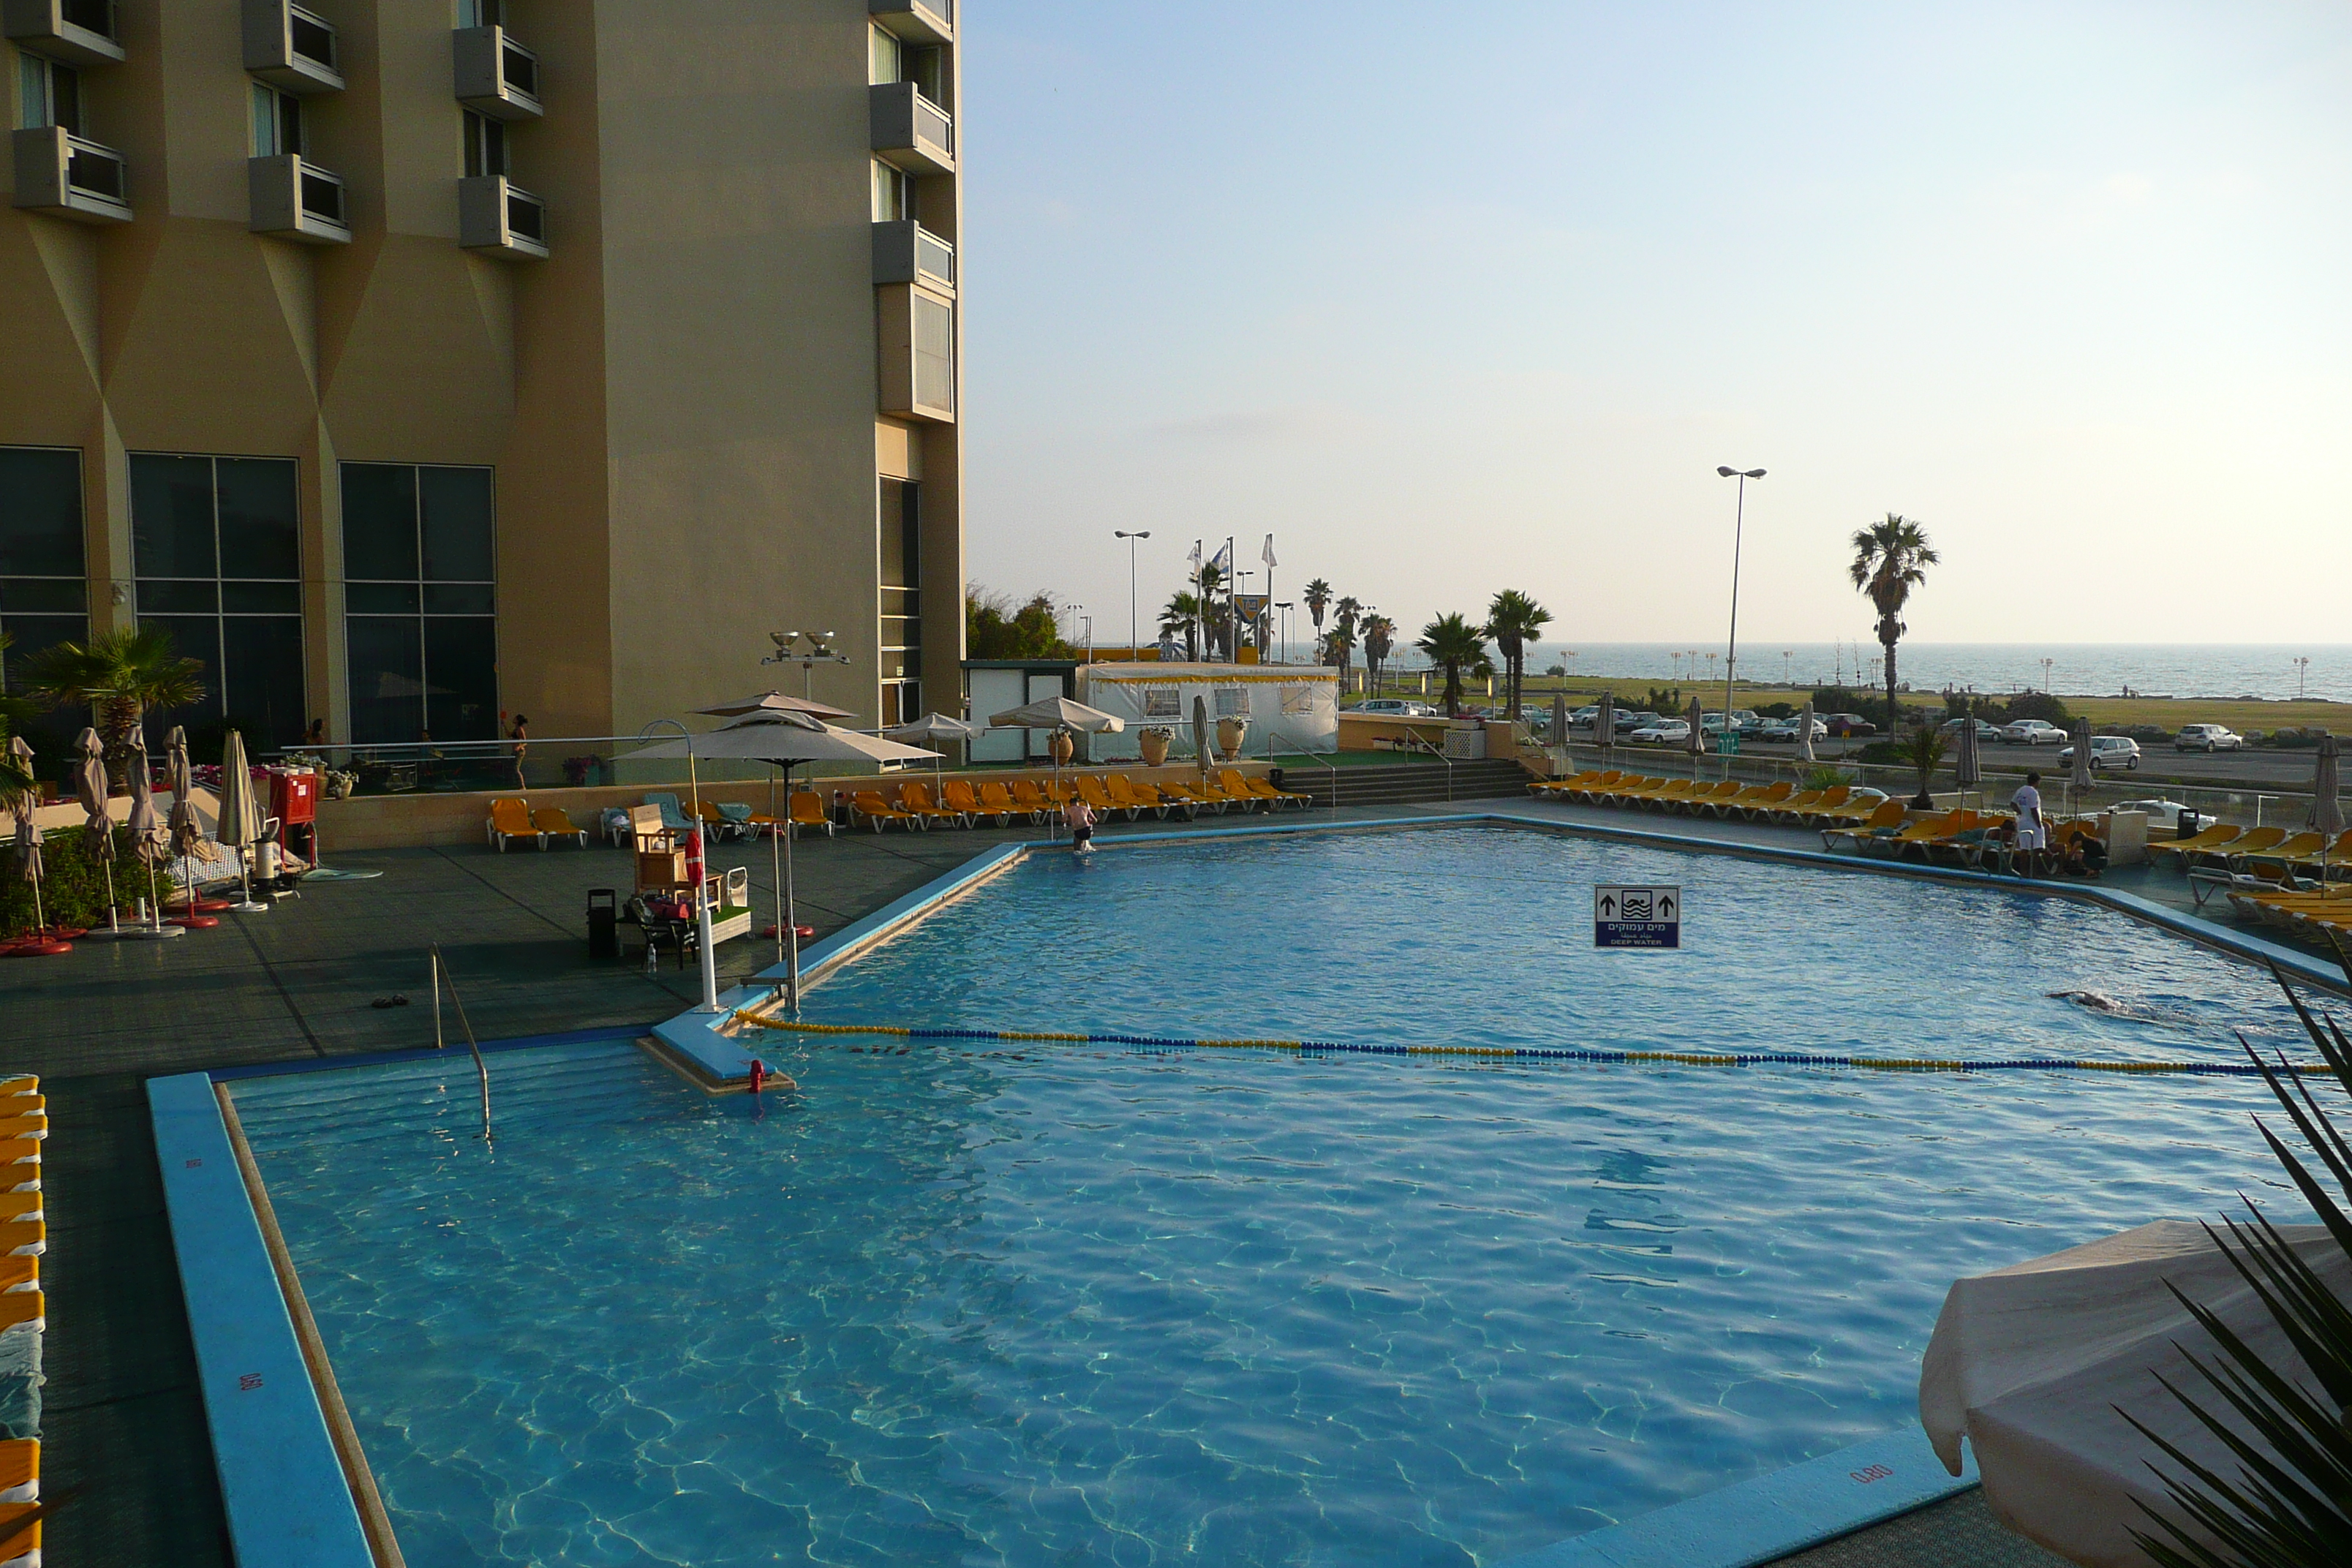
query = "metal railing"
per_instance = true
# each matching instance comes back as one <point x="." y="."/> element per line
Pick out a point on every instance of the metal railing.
<point x="1274" y="735"/>
<point x="934" y="257"/>
<point x="322" y="193"/>
<point x="311" y="37"/>
<point x="440" y="979"/>
<point x="934" y="124"/>
<point x="95" y="170"/>
<point x="526" y="215"/>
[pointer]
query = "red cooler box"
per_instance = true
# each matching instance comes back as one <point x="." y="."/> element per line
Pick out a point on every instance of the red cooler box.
<point x="293" y="796"/>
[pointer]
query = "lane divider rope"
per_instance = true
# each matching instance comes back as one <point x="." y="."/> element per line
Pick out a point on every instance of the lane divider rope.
<point x="1540" y="1053"/>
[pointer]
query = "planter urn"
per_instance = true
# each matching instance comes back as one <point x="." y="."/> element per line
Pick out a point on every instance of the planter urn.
<point x="1229" y="738"/>
<point x="1155" y="748"/>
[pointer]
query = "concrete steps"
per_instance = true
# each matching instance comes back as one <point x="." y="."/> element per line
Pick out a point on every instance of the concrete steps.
<point x="1401" y="783"/>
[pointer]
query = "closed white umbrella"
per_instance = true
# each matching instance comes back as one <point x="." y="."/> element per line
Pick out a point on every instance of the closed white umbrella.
<point x="90" y="789"/>
<point x="2326" y="800"/>
<point x="779" y="738"/>
<point x="149" y="839"/>
<point x="238" y="827"/>
<point x="36" y="944"/>
<point x="1696" y="742"/>
<point x="1805" y="735"/>
<point x="1604" y="723"/>
<point x="2030" y="1364"/>
<point x="2079" y="782"/>
<point x="1560" y="724"/>
<point x="1201" y="736"/>
<point x="1968" y="771"/>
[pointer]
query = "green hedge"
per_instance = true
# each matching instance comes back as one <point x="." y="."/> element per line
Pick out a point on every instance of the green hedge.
<point x="73" y="882"/>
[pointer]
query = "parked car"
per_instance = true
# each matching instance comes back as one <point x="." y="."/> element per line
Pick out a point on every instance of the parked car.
<point x="1394" y="707"/>
<point x="2106" y="752"/>
<point x="2208" y="738"/>
<point x="2166" y="812"/>
<point x="1985" y="732"/>
<point x="1784" y="731"/>
<point x="1849" y="724"/>
<point x="1665" y="732"/>
<point x="2033" y="732"/>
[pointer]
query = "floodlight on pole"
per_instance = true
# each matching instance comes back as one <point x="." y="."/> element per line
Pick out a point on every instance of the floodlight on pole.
<point x="1134" y="627"/>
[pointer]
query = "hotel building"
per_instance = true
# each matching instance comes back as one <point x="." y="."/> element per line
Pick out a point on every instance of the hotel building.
<point x="421" y="363"/>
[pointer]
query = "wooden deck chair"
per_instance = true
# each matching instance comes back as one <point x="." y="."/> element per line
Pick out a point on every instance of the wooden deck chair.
<point x="997" y="801"/>
<point x="510" y="818"/>
<point x="806" y="809"/>
<point x="554" y="822"/>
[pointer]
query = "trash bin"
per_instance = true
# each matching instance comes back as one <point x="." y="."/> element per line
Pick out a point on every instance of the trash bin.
<point x="2185" y="824"/>
<point x="604" y="923"/>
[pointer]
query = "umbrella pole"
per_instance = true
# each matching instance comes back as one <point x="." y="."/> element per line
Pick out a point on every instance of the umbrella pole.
<point x="792" y="911"/>
<point x="775" y="873"/>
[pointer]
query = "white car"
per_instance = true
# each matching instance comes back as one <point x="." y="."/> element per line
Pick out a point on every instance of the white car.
<point x="1664" y="732"/>
<point x="1394" y="707"/>
<point x="2208" y="738"/>
<point x="2033" y="732"/>
<point x="2171" y="812"/>
<point x="2106" y="752"/>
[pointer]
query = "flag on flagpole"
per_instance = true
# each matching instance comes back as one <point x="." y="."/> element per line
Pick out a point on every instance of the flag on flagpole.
<point x="1224" y="558"/>
<point x="1196" y="558"/>
<point x="1268" y="556"/>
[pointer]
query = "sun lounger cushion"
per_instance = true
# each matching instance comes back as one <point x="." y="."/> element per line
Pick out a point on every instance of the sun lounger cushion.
<point x="20" y="1471"/>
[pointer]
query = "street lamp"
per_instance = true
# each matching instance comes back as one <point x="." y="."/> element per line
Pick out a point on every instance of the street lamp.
<point x="1134" y="644"/>
<point x="1090" y="620"/>
<point x="2302" y="669"/>
<point x="2045" y="675"/>
<point x="1731" y="649"/>
<point x="1284" y="608"/>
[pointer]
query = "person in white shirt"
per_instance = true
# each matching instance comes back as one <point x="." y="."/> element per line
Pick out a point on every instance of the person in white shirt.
<point x="2027" y="802"/>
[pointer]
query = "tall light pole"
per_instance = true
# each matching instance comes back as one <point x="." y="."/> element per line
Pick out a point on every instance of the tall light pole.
<point x="1731" y="649"/>
<point x="1134" y="647"/>
<point x="1284" y="608"/>
<point x="2302" y="669"/>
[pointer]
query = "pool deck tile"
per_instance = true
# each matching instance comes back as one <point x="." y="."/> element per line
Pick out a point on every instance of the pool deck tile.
<point x="281" y="1486"/>
<point x="1769" y="1516"/>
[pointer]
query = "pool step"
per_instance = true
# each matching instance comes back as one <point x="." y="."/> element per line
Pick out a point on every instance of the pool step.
<point x="1400" y="784"/>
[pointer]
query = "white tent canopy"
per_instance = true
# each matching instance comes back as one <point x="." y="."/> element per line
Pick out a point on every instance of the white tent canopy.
<point x="1287" y="708"/>
<point x="2029" y="1362"/>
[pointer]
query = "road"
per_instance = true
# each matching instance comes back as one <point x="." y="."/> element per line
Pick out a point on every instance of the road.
<point x="2219" y="769"/>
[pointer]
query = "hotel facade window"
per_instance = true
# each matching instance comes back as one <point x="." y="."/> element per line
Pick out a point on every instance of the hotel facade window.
<point x="420" y="602"/>
<point x="216" y="550"/>
<point x="44" y="595"/>
<point x="902" y="601"/>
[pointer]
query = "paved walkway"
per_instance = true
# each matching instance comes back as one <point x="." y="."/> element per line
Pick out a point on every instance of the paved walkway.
<point x="125" y="1441"/>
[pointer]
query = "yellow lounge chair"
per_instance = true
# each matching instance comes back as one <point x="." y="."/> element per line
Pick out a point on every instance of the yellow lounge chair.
<point x="554" y="822"/>
<point x="1090" y="790"/>
<point x="1707" y="798"/>
<point x="1749" y="803"/>
<point x="915" y="797"/>
<point x="1945" y="825"/>
<point x="1631" y="787"/>
<point x="2254" y="842"/>
<point x="1886" y="818"/>
<point x="1029" y="798"/>
<point x="716" y="822"/>
<point x="1802" y="813"/>
<point x="806" y="809"/>
<point x="510" y="818"/>
<point x="2286" y="851"/>
<point x="1586" y="788"/>
<point x="2332" y="857"/>
<point x="1131" y="798"/>
<point x="1234" y="783"/>
<point x="869" y="804"/>
<point x="1192" y="797"/>
<point x="998" y="801"/>
<point x="1540" y="787"/>
<point x="2188" y="849"/>
<point x="1668" y="795"/>
<point x="1856" y="808"/>
<point x="957" y="794"/>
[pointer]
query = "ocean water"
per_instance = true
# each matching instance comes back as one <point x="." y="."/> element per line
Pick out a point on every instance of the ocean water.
<point x="1034" y="1304"/>
<point x="2087" y="669"/>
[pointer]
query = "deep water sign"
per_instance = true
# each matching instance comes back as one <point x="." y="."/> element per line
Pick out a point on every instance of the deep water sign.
<point x="1637" y="917"/>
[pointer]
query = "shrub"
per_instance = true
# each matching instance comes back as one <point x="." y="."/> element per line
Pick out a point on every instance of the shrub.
<point x="73" y="883"/>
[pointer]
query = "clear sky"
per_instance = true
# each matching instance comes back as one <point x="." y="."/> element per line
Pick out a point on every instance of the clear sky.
<point x="1454" y="298"/>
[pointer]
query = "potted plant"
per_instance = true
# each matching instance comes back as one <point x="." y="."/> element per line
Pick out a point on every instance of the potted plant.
<point x="1062" y="747"/>
<point x="1155" y="742"/>
<point x="1229" y="738"/>
<point x="1925" y="751"/>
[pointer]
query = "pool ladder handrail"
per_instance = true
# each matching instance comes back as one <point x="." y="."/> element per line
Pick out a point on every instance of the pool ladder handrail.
<point x="441" y="978"/>
<point x="1272" y="735"/>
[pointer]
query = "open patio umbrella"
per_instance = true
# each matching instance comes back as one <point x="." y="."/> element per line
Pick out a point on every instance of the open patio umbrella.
<point x="1696" y="742"/>
<point x="1805" y="735"/>
<point x="780" y="739"/>
<point x="2079" y="781"/>
<point x="90" y="789"/>
<point x="2029" y="1362"/>
<point x="1061" y="713"/>
<point x="148" y="838"/>
<point x="774" y="702"/>
<point x="931" y="727"/>
<point x="1968" y="770"/>
<point x="239" y="824"/>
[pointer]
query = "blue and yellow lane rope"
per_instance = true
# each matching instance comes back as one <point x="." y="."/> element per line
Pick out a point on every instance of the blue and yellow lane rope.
<point x="1538" y="1053"/>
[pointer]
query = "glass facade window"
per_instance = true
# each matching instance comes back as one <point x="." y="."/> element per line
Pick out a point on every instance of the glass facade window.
<point x="48" y="93"/>
<point x="276" y="122"/>
<point x="217" y="549"/>
<point x="420" y="602"/>
<point x="486" y="146"/>
<point x="43" y="593"/>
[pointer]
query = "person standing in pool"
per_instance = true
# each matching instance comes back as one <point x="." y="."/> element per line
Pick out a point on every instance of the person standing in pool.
<point x="1080" y="818"/>
<point x="2027" y="803"/>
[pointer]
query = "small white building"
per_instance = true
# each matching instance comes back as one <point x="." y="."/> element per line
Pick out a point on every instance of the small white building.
<point x="1289" y="708"/>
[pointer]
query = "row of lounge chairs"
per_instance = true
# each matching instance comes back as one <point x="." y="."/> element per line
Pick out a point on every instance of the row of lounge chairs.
<point x="1840" y="806"/>
<point x="962" y="803"/>
<point x="512" y="818"/>
<point x="2244" y="850"/>
<point x="2307" y="911"/>
<point x="23" y="1237"/>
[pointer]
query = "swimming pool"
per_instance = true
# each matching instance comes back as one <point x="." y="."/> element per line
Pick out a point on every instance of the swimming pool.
<point x="1041" y="1304"/>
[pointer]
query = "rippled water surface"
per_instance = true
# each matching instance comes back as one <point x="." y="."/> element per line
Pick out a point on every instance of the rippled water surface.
<point x="1051" y="1305"/>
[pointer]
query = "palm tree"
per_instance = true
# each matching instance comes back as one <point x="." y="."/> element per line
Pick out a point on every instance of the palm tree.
<point x="1345" y="614"/>
<point x="1515" y="620"/>
<point x="1318" y="599"/>
<point x="120" y="675"/>
<point x="1890" y="559"/>
<point x="1182" y="619"/>
<point x="1380" y="637"/>
<point x="1454" y="645"/>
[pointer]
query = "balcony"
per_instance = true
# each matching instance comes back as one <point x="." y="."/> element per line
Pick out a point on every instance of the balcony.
<point x="291" y="49"/>
<point x="496" y="219"/>
<point x="918" y="379"/>
<point x="916" y="21"/>
<point x="297" y="200"/>
<point x="77" y="32"/>
<point x="496" y="76"/>
<point x="70" y="176"/>
<point x="910" y="131"/>
<point x="906" y="252"/>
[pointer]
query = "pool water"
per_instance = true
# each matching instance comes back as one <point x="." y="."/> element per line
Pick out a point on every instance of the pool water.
<point x="1047" y="1304"/>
